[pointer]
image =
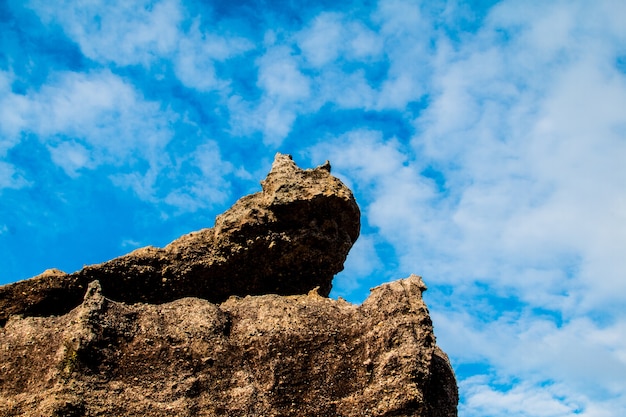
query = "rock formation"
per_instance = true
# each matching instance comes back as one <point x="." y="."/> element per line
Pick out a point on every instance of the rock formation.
<point x="265" y="343"/>
<point x="289" y="238"/>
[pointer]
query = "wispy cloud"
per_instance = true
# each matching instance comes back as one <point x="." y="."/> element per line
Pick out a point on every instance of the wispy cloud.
<point x="196" y="54"/>
<point x="120" y="32"/>
<point x="148" y="33"/>
<point x="208" y="184"/>
<point x="10" y="177"/>
<point x="523" y="400"/>
<point x="284" y="88"/>
<point x="89" y="119"/>
<point x="332" y="37"/>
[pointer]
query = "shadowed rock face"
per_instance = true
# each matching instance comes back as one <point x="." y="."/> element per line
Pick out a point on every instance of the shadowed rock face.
<point x="302" y="355"/>
<point x="289" y="238"/>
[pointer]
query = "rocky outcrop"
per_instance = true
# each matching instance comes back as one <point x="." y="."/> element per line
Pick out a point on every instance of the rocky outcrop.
<point x="228" y="321"/>
<point x="269" y="355"/>
<point x="289" y="238"/>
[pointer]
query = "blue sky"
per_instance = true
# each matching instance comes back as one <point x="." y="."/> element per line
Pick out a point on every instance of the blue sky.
<point x="485" y="142"/>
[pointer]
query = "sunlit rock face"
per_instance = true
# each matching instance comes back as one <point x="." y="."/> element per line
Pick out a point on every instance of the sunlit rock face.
<point x="267" y="355"/>
<point x="228" y="321"/>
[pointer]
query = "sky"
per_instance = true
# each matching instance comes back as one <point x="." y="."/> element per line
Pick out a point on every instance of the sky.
<point x="485" y="142"/>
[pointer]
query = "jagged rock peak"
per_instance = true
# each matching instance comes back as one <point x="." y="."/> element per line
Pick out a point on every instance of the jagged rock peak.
<point x="289" y="238"/>
<point x="284" y="170"/>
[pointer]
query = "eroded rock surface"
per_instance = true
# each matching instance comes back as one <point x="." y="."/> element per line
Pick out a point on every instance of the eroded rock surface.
<point x="228" y="321"/>
<point x="269" y="355"/>
<point x="289" y="238"/>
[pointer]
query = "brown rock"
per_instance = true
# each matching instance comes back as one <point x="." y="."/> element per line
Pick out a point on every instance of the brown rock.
<point x="126" y="337"/>
<point x="289" y="238"/>
<point x="301" y="355"/>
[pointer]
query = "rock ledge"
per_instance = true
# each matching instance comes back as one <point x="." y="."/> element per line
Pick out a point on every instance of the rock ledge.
<point x="269" y="355"/>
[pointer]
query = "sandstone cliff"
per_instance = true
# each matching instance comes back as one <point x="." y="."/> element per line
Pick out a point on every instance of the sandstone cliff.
<point x="229" y="321"/>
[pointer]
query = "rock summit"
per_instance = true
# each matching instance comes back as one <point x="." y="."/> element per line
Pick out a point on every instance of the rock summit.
<point x="289" y="238"/>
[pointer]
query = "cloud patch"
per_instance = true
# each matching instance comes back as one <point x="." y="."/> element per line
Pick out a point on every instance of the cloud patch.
<point x="90" y="119"/>
<point x="119" y="32"/>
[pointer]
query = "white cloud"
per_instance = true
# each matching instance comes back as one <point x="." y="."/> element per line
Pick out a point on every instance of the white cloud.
<point x="302" y="71"/>
<point x="11" y="123"/>
<point x="123" y="32"/>
<point x="280" y="76"/>
<point x="130" y="244"/>
<point x="277" y="123"/>
<point x="321" y="42"/>
<point x="363" y="44"/>
<point x="341" y="60"/>
<point x="406" y="208"/>
<point x="399" y="52"/>
<point x="71" y="156"/>
<point x="206" y="184"/>
<point x="527" y="155"/>
<point x="142" y="33"/>
<point x="403" y="204"/>
<point x="12" y="109"/>
<point x="243" y="120"/>
<point x="334" y="36"/>
<point x="285" y="90"/>
<point x="365" y="155"/>
<point x="525" y="400"/>
<point x="91" y="119"/>
<point x="530" y="354"/>
<point x="143" y="184"/>
<point x="407" y="38"/>
<point x="197" y="53"/>
<point x="535" y="184"/>
<point x="356" y="92"/>
<point x="10" y="177"/>
<point x="104" y="113"/>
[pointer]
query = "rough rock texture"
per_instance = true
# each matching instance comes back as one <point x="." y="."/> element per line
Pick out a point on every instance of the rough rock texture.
<point x="289" y="238"/>
<point x="270" y="355"/>
<point x="229" y="321"/>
